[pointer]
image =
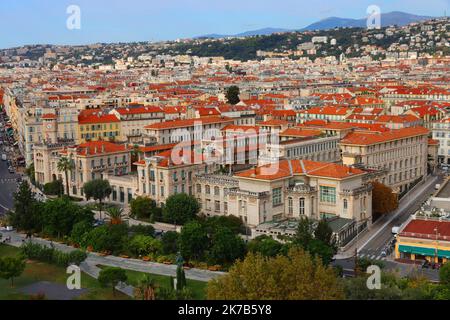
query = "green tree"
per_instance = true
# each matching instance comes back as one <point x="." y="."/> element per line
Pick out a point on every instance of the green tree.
<point x="65" y="164"/>
<point x="444" y="274"/>
<point x="30" y="172"/>
<point x="54" y="188"/>
<point x="225" y="247"/>
<point x="11" y="267"/>
<point x="181" y="278"/>
<point x="170" y="242"/>
<point x="181" y="208"/>
<point x="25" y="214"/>
<point x="97" y="190"/>
<point x="141" y="245"/>
<point x="231" y="222"/>
<point x="142" y="207"/>
<point x="80" y="231"/>
<point x="115" y="214"/>
<point x="111" y="277"/>
<point x="232" y="95"/>
<point x="111" y="238"/>
<point x="60" y="215"/>
<point x="297" y="276"/>
<point x="265" y="245"/>
<point x="193" y="240"/>
<point x="146" y="289"/>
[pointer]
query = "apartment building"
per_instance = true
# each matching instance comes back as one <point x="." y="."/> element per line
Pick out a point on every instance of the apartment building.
<point x="293" y="189"/>
<point x="399" y="155"/>
<point x="134" y="118"/>
<point x="441" y="133"/>
<point x="95" y="125"/>
<point x="160" y="176"/>
<point x="91" y="160"/>
<point x="184" y="130"/>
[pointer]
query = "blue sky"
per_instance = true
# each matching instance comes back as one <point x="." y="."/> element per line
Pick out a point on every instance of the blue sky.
<point x="44" y="21"/>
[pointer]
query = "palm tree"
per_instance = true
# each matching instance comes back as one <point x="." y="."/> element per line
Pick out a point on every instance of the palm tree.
<point x="116" y="214"/>
<point x="146" y="289"/>
<point x="65" y="165"/>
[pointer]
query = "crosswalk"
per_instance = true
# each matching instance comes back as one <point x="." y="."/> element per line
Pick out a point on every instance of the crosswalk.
<point x="10" y="180"/>
<point x="372" y="256"/>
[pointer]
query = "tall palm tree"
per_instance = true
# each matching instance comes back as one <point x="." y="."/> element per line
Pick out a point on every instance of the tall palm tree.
<point x="65" y="165"/>
<point x="146" y="289"/>
<point x="116" y="214"/>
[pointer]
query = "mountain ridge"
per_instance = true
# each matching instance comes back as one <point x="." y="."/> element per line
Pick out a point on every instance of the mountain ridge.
<point x="395" y="17"/>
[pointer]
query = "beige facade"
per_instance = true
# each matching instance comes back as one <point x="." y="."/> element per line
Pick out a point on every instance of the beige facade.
<point x="399" y="155"/>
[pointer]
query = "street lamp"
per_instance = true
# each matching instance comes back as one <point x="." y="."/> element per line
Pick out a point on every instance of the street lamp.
<point x="436" y="258"/>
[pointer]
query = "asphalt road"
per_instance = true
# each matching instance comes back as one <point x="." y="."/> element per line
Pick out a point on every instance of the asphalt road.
<point x="373" y="249"/>
<point x="8" y="185"/>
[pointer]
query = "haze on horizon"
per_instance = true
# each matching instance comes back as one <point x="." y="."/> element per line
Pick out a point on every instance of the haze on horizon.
<point x="27" y="22"/>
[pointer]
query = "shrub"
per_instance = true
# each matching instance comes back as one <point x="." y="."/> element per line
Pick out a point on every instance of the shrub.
<point x="112" y="238"/>
<point x="170" y="242"/>
<point x="145" y="230"/>
<point x="141" y="245"/>
<point x="80" y="230"/>
<point x="54" y="188"/>
<point x="38" y="252"/>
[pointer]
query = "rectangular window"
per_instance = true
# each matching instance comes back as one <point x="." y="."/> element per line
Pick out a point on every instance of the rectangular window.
<point x="327" y="194"/>
<point x="276" y="197"/>
<point x="217" y="206"/>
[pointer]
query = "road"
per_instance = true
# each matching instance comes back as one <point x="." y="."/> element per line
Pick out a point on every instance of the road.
<point x="378" y="240"/>
<point x="8" y="186"/>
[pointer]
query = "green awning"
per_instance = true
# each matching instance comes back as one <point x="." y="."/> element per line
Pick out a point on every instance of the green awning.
<point x="430" y="252"/>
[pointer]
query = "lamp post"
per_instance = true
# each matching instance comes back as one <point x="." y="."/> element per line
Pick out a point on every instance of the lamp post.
<point x="436" y="258"/>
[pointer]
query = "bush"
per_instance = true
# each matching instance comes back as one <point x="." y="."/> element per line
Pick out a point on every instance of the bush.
<point x="80" y="230"/>
<point x="141" y="245"/>
<point x="142" y="207"/>
<point x="54" y="188"/>
<point x="38" y="252"/>
<point x="145" y="230"/>
<point x="112" y="238"/>
<point x="170" y="242"/>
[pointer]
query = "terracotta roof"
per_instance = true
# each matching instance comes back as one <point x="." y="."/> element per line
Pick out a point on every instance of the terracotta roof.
<point x="426" y="228"/>
<point x="139" y="110"/>
<point x="49" y="116"/>
<point x="403" y="118"/>
<point x="96" y="117"/>
<point x="362" y="138"/>
<point x="299" y="132"/>
<point x="100" y="147"/>
<point x="289" y="168"/>
<point x="187" y="123"/>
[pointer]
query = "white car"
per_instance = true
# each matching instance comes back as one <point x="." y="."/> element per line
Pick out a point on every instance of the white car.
<point x="4" y="157"/>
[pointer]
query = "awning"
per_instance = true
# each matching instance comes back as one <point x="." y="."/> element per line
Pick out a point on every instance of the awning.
<point x="429" y="252"/>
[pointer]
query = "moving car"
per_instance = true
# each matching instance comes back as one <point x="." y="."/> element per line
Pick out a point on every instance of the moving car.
<point x="395" y="230"/>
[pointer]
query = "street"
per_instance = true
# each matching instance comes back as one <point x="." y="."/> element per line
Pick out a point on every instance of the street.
<point x="8" y="185"/>
<point x="377" y="240"/>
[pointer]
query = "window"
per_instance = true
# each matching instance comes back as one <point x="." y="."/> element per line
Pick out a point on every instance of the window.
<point x="276" y="197"/>
<point x="327" y="194"/>
<point x="290" y="206"/>
<point x="345" y="204"/>
<point x="301" y="204"/>
<point x="199" y="188"/>
<point x="225" y="207"/>
<point x="207" y="189"/>
<point x="217" y="206"/>
<point x="216" y="191"/>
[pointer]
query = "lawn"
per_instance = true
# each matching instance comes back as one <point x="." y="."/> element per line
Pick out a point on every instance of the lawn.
<point x="38" y="271"/>
<point x="198" y="287"/>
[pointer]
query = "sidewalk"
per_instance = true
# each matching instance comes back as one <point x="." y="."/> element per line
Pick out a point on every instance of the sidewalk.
<point x="95" y="259"/>
<point x="381" y="224"/>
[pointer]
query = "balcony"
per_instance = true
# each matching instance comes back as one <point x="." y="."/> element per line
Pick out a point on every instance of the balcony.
<point x="239" y="192"/>
<point x="357" y="191"/>
<point x="301" y="189"/>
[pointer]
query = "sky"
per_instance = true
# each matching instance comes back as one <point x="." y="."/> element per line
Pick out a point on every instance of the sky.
<point x="25" y="22"/>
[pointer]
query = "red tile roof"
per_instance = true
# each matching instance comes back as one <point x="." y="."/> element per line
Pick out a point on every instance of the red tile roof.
<point x="362" y="138"/>
<point x="174" y="124"/>
<point x="100" y="147"/>
<point x="96" y="117"/>
<point x="289" y="168"/>
<point x="423" y="228"/>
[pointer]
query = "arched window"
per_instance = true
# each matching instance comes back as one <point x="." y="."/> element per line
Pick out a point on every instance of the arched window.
<point x="207" y="189"/>
<point x="290" y="206"/>
<point x="216" y="191"/>
<point x="301" y="205"/>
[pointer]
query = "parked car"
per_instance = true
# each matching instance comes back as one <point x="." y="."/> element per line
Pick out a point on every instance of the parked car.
<point x="4" y="157"/>
<point x="11" y="170"/>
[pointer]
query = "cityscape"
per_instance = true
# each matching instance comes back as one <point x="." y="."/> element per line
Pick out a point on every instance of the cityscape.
<point x="305" y="160"/>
